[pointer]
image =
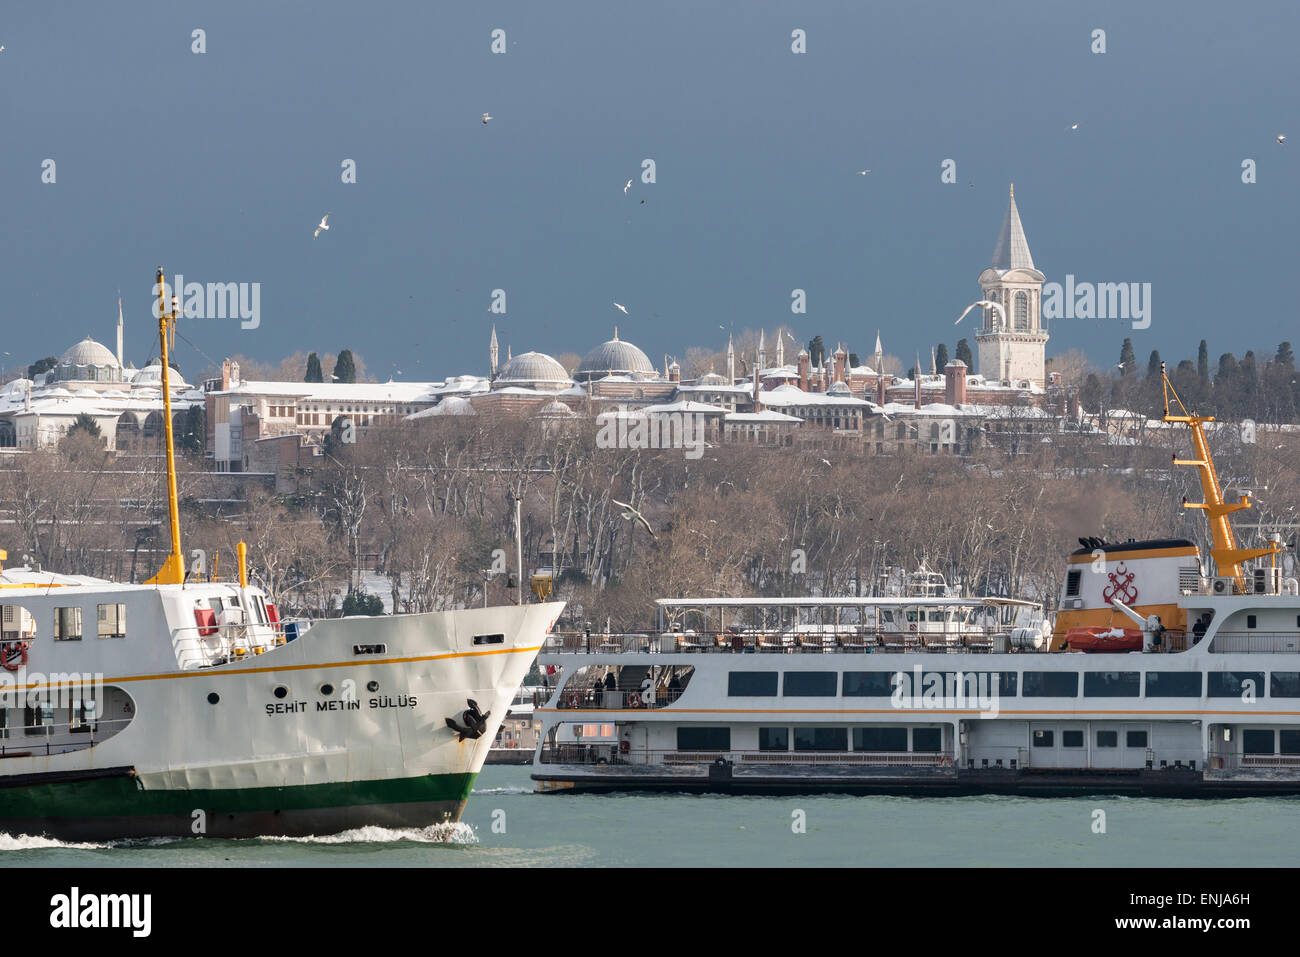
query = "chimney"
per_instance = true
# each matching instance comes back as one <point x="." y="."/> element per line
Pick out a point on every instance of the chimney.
<point x="758" y="403"/>
<point x="674" y="372"/>
<point x="803" y="369"/>
<point x="840" y="358"/>
<point x="954" y="383"/>
<point x="119" y="332"/>
<point x="225" y="375"/>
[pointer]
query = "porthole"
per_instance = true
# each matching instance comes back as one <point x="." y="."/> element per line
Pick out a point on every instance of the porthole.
<point x="213" y="697"/>
<point x="327" y="690"/>
<point x="280" y="691"/>
<point x="372" y="686"/>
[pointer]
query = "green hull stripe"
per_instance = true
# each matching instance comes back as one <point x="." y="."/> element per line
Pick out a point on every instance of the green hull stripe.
<point x="123" y="797"/>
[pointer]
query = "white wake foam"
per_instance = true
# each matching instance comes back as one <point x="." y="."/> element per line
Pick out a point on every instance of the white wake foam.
<point x="27" y="842"/>
<point x="447" y="833"/>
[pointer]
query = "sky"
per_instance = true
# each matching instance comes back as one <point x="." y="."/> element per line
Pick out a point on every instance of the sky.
<point x="218" y="165"/>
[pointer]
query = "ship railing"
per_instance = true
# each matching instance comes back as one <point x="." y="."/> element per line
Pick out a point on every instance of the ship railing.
<point x="607" y="753"/>
<point x="603" y="699"/>
<point x="1227" y="761"/>
<point x="235" y="642"/>
<point x="21" y="741"/>
<point x="730" y="642"/>
<point x="1254" y="642"/>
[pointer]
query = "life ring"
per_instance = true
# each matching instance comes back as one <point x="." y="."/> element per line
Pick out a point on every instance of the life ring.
<point x="11" y="651"/>
<point x="575" y="699"/>
<point x="633" y="699"/>
<point x="512" y="744"/>
<point x="945" y="763"/>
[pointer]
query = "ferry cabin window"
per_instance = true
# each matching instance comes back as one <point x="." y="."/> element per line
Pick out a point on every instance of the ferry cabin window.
<point x="1072" y="583"/>
<point x="1112" y="684"/>
<point x="1071" y="739"/>
<point x="928" y="740"/>
<point x="1108" y="739"/>
<point x="1288" y="741"/>
<point x="489" y="639"/>
<point x="36" y="716"/>
<point x="112" y="621"/>
<point x="879" y="739"/>
<point x="1257" y="741"/>
<point x="810" y="684"/>
<point x="81" y="715"/>
<point x="751" y="684"/>
<point x="1173" y="684"/>
<point x="703" y="739"/>
<point x="1233" y="684"/>
<point x="1251" y="621"/>
<point x="67" y="624"/>
<point x="774" y="739"/>
<point x="1135" y="739"/>
<point x="822" y="739"/>
<point x="1044" y="739"/>
<point x="868" y="684"/>
<point x="974" y="684"/>
<point x="1284" y="684"/>
<point x="1051" y="684"/>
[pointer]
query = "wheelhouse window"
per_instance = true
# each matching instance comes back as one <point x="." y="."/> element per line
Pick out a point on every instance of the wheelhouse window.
<point x="1234" y="684"/>
<point x="1051" y="684"/>
<point x="810" y="684"/>
<point x="774" y="739"/>
<point x="1112" y="684"/>
<point x="67" y="624"/>
<point x="881" y="739"/>
<point x="751" y="684"/>
<point x="703" y="739"/>
<point x="112" y="621"/>
<point x="821" y="739"/>
<point x="1173" y="684"/>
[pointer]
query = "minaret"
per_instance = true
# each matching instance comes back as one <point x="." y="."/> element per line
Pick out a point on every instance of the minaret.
<point x="762" y="350"/>
<point x="119" y="331"/>
<point x="731" y="362"/>
<point x="780" y="347"/>
<point x="492" y="354"/>
<point x="1012" y="341"/>
<point x="934" y="368"/>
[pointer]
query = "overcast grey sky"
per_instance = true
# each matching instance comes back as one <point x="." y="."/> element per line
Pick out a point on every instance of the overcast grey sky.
<point x="218" y="165"/>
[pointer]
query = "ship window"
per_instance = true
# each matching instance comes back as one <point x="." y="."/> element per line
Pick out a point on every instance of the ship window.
<point x="1051" y="684"/>
<point x="36" y="715"/>
<point x="1044" y="739"/>
<point x="4" y="722"/>
<point x="868" y="684"/>
<point x="1251" y="621"/>
<point x="703" y="739"/>
<point x="974" y="684"/>
<point x="1257" y="741"/>
<point x="1135" y="739"/>
<point x="1071" y="739"/>
<point x="1233" y="684"/>
<point x="1288" y="741"/>
<point x="112" y="621"/>
<point x="1284" y="684"/>
<point x="810" y="684"/>
<point x="1112" y="684"/>
<point x="489" y="639"/>
<point x="1072" y="583"/>
<point x="887" y="616"/>
<point x="81" y="715"/>
<point x="751" y="684"/>
<point x="774" y="739"/>
<point x="67" y="624"/>
<point x="1173" y="684"/>
<point x="823" y="739"/>
<point x="927" y="739"/>
<point x="1108" y="739"/>
<point x="879" y="739"/>
<point x="369" y="650"/>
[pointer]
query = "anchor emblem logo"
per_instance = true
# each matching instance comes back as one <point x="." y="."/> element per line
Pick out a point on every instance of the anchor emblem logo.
<point x="1121" y="586"/>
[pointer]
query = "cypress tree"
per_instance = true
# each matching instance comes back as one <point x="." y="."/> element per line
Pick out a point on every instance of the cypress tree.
<point x="345" y="369"/>
<point x="314" y="373"/>
<point x="964" y="353"/>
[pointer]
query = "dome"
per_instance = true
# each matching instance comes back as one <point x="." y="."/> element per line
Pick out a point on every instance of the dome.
<point x="614" y="357"/>
<point x="88" y="352"/>
<point x="151" y="375"/>
<point x="15" y="386"/>
<point x="533" y="370"/>
<point x="555" y="409"/>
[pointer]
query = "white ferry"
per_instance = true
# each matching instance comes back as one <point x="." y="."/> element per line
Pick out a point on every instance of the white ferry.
<point x="1156" y="677"/>
<point x="187" y="707"/>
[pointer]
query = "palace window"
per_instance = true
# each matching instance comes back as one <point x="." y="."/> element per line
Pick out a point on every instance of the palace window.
<point x="1021" y="311"/>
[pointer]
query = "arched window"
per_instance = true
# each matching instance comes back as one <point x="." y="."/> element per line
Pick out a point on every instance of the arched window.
<point x="1021" y="312"/>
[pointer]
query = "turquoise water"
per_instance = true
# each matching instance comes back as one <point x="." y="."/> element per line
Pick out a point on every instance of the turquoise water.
<point x="664" y="830"/>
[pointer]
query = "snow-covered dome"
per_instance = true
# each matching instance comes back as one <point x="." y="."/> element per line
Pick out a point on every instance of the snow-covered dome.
<point x="614" y="357"/>
<point x="151" y="375"/>
<point x="556" y="409"/>
<point x="15" y="387"/>
<point x="533" y="370"/>
<point x="88" y="352"/>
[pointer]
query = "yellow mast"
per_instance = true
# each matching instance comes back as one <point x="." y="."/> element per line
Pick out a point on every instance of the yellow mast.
<point x="1227" y="556"/>
<point x="173" y="569"/>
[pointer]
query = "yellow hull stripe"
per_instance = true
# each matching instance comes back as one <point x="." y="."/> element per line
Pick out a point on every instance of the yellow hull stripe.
<point x="211" y="673"/>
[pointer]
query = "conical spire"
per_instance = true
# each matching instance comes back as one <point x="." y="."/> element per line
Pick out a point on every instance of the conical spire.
<point x="1012" y="251"/>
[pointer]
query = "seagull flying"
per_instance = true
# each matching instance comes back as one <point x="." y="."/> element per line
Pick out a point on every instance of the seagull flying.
<point x="632" y="514"/>
<point x="623" y="309"/>
<point x="1075" y="126"/>
<point x="983" y="302"/>
<point x="486" y="117"/>
<point x="627" y="187"/>
<point x="863" y="172"/>
<point x="323" y="225"/>
<point x="1280" y="138"/>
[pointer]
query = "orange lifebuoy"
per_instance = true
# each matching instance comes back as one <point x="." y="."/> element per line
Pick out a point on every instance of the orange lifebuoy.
<point x="575" y="699"/>
<point x="634" y="699"/>
<point x="13" y="651"/>
<point x="945" y="763"/>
